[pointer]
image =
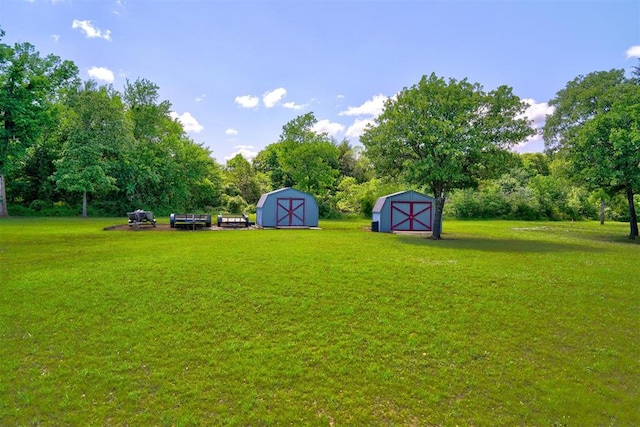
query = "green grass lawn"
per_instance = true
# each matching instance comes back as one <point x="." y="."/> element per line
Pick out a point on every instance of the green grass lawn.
<point x="501" y="323"/>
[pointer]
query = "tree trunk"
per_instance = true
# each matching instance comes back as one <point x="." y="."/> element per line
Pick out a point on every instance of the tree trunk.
<point x="437" y="221"/>
<point x="84" y="204"/>
<point x="601" y="211"/>
<point x="3" y="198"/>
<point x="633" y="219"/>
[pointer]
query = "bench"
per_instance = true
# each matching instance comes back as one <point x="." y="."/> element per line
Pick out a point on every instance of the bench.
<point x="233" y="220"/>
<point x="188" y="220"/>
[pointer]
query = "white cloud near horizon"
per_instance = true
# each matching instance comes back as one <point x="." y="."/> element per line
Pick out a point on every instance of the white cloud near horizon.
<point x="356" y="130"/>
<point x="534" y="144"/>
<point x="633" y="52"/>
<point x="101" y="73"/>
<point x="188" y="122"/>
<point x="247" y="101"/>
<point x="537" y="112"/>
<point x="365" y="114"/>
<point x="271" y="98"/>
<point x="249" y="152"/>
<point x="90" y="30"/>
<point x="231" y="131"/>
<point x="371" y="107"/>
<point x="328" y="127"/>
<point x="200" y="98"/>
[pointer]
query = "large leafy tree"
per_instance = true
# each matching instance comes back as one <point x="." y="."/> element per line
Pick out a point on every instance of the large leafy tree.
<point x="29" y="182"/>
<point x="145" y="110"/>
<point x="94" y="129"/>
<point x="29" y="84"/>
<point x="149" y="162"/>
<point x="242" y="179"/>
<point x="268" y="162"/>
<point x="352" y="162"/>
<point x="313" y="166"/>
<point x="193" y="179"/>
<point x="443" y="135"/>
<point x="596" y="126"/>
<point x="163" y="169"/>
<point x="302" y="158"/>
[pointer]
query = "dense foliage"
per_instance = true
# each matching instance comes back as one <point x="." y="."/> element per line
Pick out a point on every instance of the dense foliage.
<point x="596" y="125"/>
<point x="442" y="135"/>
<point x="69" y="147"/>
<point x="30" y="86"/>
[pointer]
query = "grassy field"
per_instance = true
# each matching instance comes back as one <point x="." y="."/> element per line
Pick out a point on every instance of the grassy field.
<point x="501" y="323"/>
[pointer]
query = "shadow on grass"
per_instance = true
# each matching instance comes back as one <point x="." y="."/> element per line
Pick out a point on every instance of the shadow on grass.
<point x="588" y="234"/>
<point x="609" y="238"/>
<point x="499" y="245"/>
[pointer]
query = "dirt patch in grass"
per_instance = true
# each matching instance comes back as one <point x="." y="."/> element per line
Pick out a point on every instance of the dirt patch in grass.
<point x="166" y="227"/>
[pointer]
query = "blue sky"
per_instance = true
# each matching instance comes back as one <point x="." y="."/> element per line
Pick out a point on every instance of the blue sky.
<point x="236" y="71"/>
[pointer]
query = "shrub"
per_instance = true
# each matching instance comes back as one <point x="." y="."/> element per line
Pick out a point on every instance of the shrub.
<point x="234" y="204"/>
<point x="327" y="207"/>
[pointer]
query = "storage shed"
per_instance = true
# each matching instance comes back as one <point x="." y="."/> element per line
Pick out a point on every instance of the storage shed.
<point x="404" y="211"/>
<point x="287" y="207"/>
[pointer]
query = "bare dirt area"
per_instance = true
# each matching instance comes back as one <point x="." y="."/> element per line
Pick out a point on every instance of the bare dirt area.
<point x="166" y="227"/>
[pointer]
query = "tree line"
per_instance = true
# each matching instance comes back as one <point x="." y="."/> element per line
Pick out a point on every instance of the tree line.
<point x="70" y="147"/>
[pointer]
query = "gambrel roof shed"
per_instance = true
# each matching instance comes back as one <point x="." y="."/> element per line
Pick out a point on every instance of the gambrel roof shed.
<point x="287" y="207"/>
<point x="404" y="211"/>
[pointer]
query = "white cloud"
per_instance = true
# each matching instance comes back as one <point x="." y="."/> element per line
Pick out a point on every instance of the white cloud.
<point x="294" y="106"/>
<point x="101" y="73"/>
<point x="537" y="111"/>
<point x="231" y="131"/>
<point x="340" y="96"/>
<point x="247" y="101"/>
<point x="188" y="122"/>
<point x="201" y="98"/>
<point x="357" y="128"/>
<point x="633" y="52"/>
<point x="90" y="30"/>
<point x="372" y="107"/>
<point x="271" y="98"/>
<point x="533" y="144"/>
<point x="55" y="38"/>
<point x="249" y="152"/>
<point x="330" y="128"/>
<point x="118" y="7"/>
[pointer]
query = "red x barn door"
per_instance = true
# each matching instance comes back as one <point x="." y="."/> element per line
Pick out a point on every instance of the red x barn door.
<point x="290" y="212"/>
<point x="411" y="216"/>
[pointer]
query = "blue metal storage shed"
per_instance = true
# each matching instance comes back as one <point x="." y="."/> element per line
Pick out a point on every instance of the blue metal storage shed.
<point x="287" y="207"/>
<point x="404" y="211"/>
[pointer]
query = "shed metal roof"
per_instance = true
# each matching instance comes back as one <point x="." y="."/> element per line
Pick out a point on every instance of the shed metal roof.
<point x="264" y="196"/>
<point x="381" y="200"/>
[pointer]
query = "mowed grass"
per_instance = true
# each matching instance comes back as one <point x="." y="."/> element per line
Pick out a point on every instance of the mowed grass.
<point x="501" y="323"/>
